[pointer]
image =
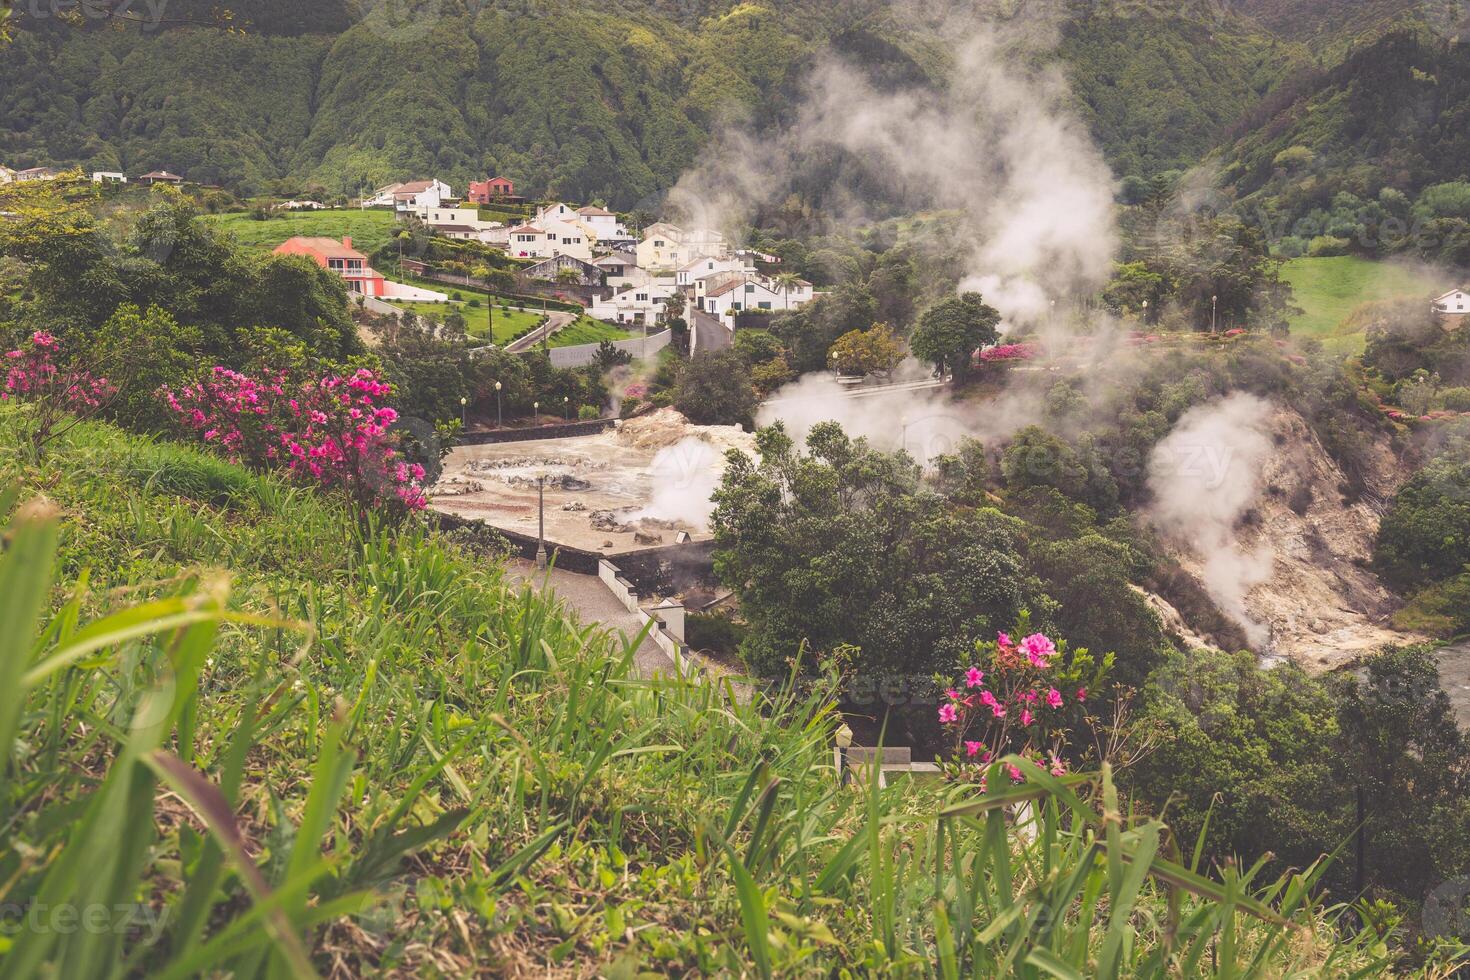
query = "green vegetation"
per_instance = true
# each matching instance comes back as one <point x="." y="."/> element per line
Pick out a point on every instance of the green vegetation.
<point x="369" y="230"/>
<point x="585" y="330"/>
<point x="414" y="708"/>
<point x="509" y="323"/>
<point x="1329" y="291"/>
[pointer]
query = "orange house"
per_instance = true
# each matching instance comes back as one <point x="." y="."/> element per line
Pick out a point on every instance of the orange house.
<point x="341" y="258"/>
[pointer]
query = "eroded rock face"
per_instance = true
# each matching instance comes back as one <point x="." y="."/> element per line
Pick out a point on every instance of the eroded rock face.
<point x="1322" y="606"/>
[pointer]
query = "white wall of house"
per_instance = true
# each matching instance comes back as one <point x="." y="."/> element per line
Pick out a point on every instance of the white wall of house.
<point x="450" y="216"/>
<point x="1453" y="302"/>
<point x="634" y="305"/>
<point x="666" y="246"/>
<point x="104" y="177"/>
<point x="753" y="293"/>
<point x="700" y="268"/>
<point x="431" y="197"/>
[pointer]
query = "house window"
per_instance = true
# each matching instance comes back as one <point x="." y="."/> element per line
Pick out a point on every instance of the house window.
<point x="750" y="289"/>
<point x="658" y="244"/>
<point x="736" y="307"/>
<point x="765" y="306"/>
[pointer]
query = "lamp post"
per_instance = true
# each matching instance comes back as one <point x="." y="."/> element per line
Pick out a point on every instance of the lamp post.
<point x="536" y="412"/>
<point x="464" y="410"/>
<point x="541" y="522"/>
<point x="1213" y="301"/>
<point x="566" y="404"/>
<point x="1145" y="313"/>
<point x="499" y="419"/>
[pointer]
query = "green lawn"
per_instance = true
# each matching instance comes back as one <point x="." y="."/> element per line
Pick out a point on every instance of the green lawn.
<point x="586" y="330"/>
<point x="369" y="230"/>
<point x="1328" y="290"/>
<point x="508" y="326"/>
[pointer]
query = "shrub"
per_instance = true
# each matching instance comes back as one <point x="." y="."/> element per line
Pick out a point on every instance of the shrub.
<point x="1325" y="246"/>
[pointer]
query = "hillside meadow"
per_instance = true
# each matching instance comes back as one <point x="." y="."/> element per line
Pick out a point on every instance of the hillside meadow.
<point x="1328" y="290"/>
<point x="302" y="743"/>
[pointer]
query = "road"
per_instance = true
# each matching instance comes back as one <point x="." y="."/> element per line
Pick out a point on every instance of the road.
<point x="555" y="322"/>
<point x="709" y="334"/>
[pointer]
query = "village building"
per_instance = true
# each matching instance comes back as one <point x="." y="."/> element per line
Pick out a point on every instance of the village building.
<point x="421" y="193"/>
<point x="726" y="294"/>
<point x="550" y="239"/>
<point x="604" y="223"/>
<point x="621" y="269"/>
<point x="634" y="306"/>
<point x="299" y="206"/>
<point x="7" y="175"/>
<point x="699" y="269"/>
<point x="667" y="246"/>
<point x="108" y="177"/>
<point x="383" y="196"/>
<point x="352" y="265"/>
<point x="1455" y="303"/>
<point x="559" y="268"/>
<point x="36" y="173"/>
<point x="160" y="177"/>
<point x="496" y="189"/>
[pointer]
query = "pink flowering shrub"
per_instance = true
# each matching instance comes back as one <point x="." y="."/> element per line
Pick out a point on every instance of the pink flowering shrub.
<point x="1022" y="697"/>
<point x="1009" y="352"/>
<point x="34" y="375"/>
<point x="334" y="431"/>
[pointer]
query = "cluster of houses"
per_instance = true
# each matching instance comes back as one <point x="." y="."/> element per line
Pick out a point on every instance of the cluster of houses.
<point x="633" y="278"/>
<point x="8" y="176"/>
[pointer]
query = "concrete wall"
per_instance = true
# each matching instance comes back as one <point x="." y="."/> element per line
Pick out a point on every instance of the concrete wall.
<point x="584" y="354"/>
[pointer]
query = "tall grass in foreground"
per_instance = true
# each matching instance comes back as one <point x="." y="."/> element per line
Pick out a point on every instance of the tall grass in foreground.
<point x="364" y="754"/>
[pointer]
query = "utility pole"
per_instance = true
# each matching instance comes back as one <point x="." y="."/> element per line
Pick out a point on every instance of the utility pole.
<point x="541" y="530"/>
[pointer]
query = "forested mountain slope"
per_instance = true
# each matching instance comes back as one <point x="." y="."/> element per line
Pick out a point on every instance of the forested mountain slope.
<point x="573" y="99"/>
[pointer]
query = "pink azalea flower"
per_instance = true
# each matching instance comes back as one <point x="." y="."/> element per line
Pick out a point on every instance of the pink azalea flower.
<point x="1027" y="717"/>
<point x="974" y="676"/>
<point x="947" y="713"/>
<point x="1015" y="773"/>
<point x="1054" y="698"/>
<point x="972" y="749"/>
<point x="1081" y="694"/>
<point x="1038" y="649"/>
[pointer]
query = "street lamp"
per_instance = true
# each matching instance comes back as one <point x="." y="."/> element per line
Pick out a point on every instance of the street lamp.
<point x="536" y="412"/>
<point x="1145" y="312"/>
<point x="1213" y="301"/>
<point x="541" y="522"/>
<point x="464" y="409"/>
<point x="498" y="418"/>
<point x="566" y="403"/>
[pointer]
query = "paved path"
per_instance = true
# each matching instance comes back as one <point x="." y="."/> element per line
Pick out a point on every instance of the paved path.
<point x="555" y="321"/>
<point x="710" y="334"/>
<point x="593" y="603"/>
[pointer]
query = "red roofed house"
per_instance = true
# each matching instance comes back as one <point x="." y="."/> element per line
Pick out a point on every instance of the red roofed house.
<point x="485" y="191"/>
<point x="341" y="258"/>
<point x="160" y="177"/>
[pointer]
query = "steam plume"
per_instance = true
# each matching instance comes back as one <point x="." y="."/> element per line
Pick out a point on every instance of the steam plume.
<point x="1205" y="477"/>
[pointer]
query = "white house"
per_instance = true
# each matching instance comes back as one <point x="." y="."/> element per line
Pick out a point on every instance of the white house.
<point x="638" y="305"/>
<point x="108" y="177"/>
<point x="1456" y="302"/>
<point x="36" y="173"/>
<point x="382" y="197"/>
<point x="299" y="206"/>
<point x="6" y="175"/>
<point x="421" y="193"/>
<point x="545" y="240"/>
<point x="604" y="223"/>
<point x="699" y="269"/>
<point x="726" y="294"/>
<point x="666" y="246"/>
<point x="621" y="270"/>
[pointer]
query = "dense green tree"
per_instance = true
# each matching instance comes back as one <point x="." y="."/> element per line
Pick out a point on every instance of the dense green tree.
<point x="837" y="550"/>
<point x="715" y="389"/>
<point x="948" y="335"/>
<point x="1425" y="534"/>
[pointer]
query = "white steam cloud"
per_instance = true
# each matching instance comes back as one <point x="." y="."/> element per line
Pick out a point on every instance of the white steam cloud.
<point x="1205" y="477"/>
<point x="998" y="145"/>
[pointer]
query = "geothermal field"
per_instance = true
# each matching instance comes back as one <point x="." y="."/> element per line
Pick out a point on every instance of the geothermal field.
<point x="644" y="484"/>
